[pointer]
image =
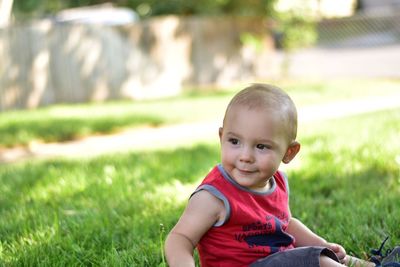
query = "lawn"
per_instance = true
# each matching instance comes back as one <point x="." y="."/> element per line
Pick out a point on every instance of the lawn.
<point x="115" y="210"/>
<point x="69" y="122"/>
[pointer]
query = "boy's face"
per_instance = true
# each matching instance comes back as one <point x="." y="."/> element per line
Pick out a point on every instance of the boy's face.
<point x="253" y="144"/>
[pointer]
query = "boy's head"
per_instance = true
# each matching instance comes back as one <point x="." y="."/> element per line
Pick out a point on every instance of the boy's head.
<point x="258" y="133"/>
<point x="271" y="99"/>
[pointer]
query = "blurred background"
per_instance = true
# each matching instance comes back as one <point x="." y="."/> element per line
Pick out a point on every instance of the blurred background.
<point x="76" y="51"/>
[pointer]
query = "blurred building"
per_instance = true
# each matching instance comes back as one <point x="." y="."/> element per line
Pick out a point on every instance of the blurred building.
<point x="371" y="6"/>
<point x="338" y="8"/>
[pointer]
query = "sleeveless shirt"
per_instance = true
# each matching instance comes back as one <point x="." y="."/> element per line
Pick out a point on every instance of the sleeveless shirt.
<point x="255" y="223"/>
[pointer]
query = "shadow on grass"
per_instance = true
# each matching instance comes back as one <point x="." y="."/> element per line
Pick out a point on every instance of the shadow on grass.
<point x="103" y="211"/>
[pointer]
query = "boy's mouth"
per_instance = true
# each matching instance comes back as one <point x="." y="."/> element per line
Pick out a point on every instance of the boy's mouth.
<point x="244" y="171"/>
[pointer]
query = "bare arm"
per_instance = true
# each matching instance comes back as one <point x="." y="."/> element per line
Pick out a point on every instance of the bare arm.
<point x="202" y="212"/>
<point x="305" y="237"/>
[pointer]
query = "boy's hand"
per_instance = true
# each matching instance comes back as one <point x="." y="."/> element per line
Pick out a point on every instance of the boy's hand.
<point x="339" y="251"/>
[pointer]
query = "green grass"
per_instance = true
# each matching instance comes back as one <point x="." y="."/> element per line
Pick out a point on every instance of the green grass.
<point x="108" y="210"/>
<point x="347" y="181"/>
<point x="105" y="211"/>
<point x="69" y="122"/>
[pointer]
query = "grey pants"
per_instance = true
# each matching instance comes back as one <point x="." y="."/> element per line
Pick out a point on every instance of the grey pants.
<point x="299" y="257"/>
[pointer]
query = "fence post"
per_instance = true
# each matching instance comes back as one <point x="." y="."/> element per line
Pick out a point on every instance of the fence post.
<point x="5" y="12"/>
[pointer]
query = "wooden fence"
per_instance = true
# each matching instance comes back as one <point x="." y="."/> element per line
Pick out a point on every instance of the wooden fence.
<point x="45" y="63"/>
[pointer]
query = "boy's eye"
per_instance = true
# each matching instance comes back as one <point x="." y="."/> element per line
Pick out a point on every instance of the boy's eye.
<point x="262" y="147"/>
<point x="233" y="141"/>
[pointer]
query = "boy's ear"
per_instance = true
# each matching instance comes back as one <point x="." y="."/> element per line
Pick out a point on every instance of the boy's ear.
<point x="220" y="133"/>
<point x="291" y="152"/>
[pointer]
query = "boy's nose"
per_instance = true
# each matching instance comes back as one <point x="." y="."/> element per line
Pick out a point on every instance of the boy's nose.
<point x="246" y="155"/>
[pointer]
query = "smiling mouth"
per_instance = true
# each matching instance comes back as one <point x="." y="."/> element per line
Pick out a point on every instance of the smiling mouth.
<point x="245" y="171"/>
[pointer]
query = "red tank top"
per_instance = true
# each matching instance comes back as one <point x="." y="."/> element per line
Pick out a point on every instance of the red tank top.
<point x="254" y="226"/>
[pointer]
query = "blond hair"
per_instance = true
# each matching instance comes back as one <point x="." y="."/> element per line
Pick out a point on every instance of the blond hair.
<point x="268" y="97"/>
